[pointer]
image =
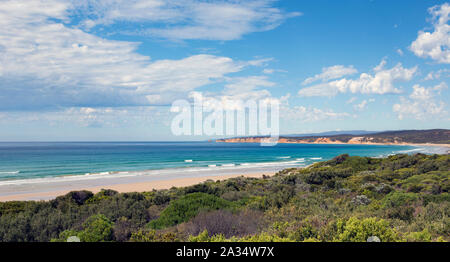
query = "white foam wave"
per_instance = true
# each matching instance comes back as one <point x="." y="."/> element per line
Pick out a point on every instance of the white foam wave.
<point x="188" y="160"/>
<point x="244" y="167"/>
<point x="315" y="158"/>
<point x="9" y="172"/>
<point x="419" y="149"/>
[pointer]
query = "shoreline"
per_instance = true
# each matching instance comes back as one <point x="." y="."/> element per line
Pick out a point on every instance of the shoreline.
<point x="144" y="180"/>
<point x="129" y="187"/>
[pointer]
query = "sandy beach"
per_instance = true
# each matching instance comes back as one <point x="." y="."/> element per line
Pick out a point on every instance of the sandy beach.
<point x="127" y="187"/>
<point x="46" y="188"/>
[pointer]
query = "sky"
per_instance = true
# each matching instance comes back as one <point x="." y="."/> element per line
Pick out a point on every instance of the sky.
<point x="91" y="70"/>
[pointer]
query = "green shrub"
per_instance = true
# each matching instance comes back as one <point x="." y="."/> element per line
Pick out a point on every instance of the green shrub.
<point x="153" y="236"/>
<point x="187" y="207"/>
<point x="204" y="237"/>
<point x="97" y="228"/>
<point x="12" y="207"/>
<point x="423" y="236"/>
<point x="356" y="230"/>
<point x="405" y="213"/>
<point x="304" y="233"/>
<point x="396" y="199"/>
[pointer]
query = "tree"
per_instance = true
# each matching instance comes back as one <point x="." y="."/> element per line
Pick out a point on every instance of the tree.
<point x="97" y="228"/>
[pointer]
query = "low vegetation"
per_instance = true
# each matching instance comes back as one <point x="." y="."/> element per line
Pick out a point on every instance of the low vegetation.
<point x="398" y="198"/>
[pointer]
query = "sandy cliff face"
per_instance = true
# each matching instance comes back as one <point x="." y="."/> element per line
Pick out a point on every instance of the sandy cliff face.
<point x="436" y="137"/>
<point x="320" y="140"/>
<point x="241" y="140"/>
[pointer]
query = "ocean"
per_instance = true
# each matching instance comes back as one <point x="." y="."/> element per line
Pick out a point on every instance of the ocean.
<point x="22" y="163"/>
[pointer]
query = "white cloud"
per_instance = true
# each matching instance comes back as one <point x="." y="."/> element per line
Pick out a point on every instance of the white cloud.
<point x="436" y="44"/>
<point x="400" y="52"/>
<point x="440" y="87"/>
<point x="430" y="76"/>
<point x="351" y="100"/>
<point x="310" y="114"/>
<point x="420" y="93"/>
<point x="332" y="72"/>
<point x="238" y="91"/>
<point x="187" y="19"/>
<point x="381" y="82"/>
<point x="363" y="105"/>
<point x="380" y="66"/>
<point x="242" y="85"/>
<point x="46" y="63"/>
<point x="268" y="71"/>
<point x="91" y="117"/>
<point x="438" y="74"/>
<point x="420" y="105"/>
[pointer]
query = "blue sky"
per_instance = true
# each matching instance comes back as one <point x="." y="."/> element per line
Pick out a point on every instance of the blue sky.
<point x="109" y="70"/>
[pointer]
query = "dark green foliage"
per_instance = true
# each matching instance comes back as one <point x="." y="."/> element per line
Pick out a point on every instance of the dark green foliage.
<point x="185" y="208"/>
<point x="96" y="228"/>
<point x="401" y="212"/>
<point x="12" y="207"/>
<point x="200" y="188"/>
<point x="79" y="197"/>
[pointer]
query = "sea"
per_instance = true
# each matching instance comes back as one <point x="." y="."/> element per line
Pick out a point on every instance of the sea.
<point x="44" y="162"/>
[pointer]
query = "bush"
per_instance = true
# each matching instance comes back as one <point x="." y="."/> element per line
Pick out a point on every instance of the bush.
<point x="153" y="236"/>
<point x="305" y="233"/>
<point x="423" y="236"/>
<point x="122" y="229"/>
<point x="97" y="228"/>
<point x="356" y="230"/>
<point x="187" y="207"/>
<point x="79" y="197"/>
<point x="223" y="222"/>
<point x="12" y="207"/>
<point x="396" y="199"/>
<point x="405" y="213"/>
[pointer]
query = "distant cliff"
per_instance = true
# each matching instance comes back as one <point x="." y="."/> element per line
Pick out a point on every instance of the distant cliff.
<point x="434" y="136"/>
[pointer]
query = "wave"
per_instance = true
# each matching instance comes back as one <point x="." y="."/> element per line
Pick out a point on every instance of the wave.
<point x="9" y="172"/>
<point x="284" y="157"/>
<point x="315" y="158"/>
<point x="180" y="171"/>
<point x="188" y="160"/>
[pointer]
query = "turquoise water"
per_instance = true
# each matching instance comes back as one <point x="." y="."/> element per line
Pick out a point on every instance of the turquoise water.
<point x="19" y="161"/>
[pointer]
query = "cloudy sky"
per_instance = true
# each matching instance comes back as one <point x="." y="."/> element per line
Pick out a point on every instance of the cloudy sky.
<point x="110" y="69"/>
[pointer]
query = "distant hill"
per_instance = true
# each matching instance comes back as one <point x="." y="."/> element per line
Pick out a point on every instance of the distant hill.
<point x="433" y="136"/>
